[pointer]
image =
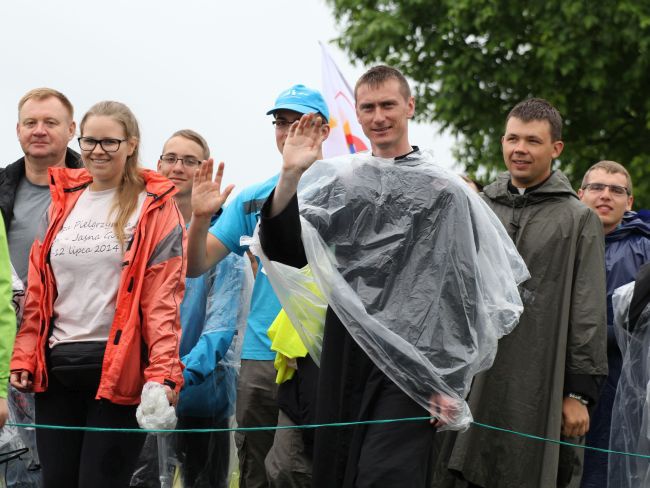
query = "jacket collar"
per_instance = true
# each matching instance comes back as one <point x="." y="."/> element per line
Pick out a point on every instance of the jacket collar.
<point x="16" y="170"/>
<point x="65" y="180"/>
<point x="630" y="225"/>
<point x="556" y="186"/>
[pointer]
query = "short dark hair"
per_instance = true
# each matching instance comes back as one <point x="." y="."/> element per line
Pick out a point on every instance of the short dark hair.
<point x="538" y="109"/>
<point x="378" y="75"/>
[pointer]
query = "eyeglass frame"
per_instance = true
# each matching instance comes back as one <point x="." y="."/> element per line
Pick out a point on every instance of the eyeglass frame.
<point x="283" y="124"/>
<point x="612" y="189"/>
<point x="101" y="143"/>
<point x="182" y="160"/>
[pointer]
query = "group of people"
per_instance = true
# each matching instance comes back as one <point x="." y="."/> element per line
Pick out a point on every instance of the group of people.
<point x="381" y="287"/>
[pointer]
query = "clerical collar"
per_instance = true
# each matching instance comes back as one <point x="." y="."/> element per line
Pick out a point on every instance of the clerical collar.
<point x="517" y="191"/>
<point x="403" y="156"/>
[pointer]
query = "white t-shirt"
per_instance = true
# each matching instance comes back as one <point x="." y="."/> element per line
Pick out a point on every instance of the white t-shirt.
<point x="86" y="260"/>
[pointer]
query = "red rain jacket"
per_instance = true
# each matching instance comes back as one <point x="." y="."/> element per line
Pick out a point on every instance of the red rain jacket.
<point x="144" y="338"/>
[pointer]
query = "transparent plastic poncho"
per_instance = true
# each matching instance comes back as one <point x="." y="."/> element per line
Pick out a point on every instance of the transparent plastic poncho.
<point x="212" y="395"/>
<point x="228" y="302"/>
<point x="630" y="430"/>
<point x="22" y="471"/>
<point x="414" y="263"/>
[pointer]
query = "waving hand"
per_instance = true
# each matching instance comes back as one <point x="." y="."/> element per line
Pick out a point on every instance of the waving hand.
<point x="207" y="197"/>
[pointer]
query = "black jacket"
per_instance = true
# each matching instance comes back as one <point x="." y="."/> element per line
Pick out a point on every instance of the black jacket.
<point x="11" y="175"/>
<point x="347" y="388"/>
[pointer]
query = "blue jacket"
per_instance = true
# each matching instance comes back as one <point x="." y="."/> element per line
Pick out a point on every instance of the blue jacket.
<point x="644" y="215"/>
<point x="213" y="315"/>
<point x="627" y="248"/>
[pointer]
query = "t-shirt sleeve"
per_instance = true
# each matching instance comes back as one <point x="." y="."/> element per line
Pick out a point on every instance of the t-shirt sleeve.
<point x="232" y="225"/>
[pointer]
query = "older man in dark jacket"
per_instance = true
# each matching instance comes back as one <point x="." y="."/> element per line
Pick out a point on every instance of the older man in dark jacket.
<point x="45" y="127"/>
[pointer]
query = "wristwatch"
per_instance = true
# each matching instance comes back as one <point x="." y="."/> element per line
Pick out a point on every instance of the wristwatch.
<point x="580" y="398"/>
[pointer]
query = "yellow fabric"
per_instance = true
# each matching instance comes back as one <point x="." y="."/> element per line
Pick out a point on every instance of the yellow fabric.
<point x="285" y="340"/>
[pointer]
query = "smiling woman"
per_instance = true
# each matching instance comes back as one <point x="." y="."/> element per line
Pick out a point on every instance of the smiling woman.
<point x="113" y="258"/>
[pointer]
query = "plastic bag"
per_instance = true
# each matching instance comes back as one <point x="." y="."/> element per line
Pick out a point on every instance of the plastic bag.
<point x="18" y="300"/>
<point x="154" y="411"/>
<point x="630" y="430"/>
<point x="214" y="314"/>
<point x="212" y="366"/>
<point x="417" y="267"/>
<point x="23" y="471"/>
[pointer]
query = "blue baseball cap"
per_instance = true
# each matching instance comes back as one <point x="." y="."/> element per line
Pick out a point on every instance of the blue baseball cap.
<point x="302" y="99"/>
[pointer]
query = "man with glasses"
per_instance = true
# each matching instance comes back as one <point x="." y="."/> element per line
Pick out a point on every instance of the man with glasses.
<point x="214" y="307"/>
<point x="182" y="155"/>
<point x="257" y="392"/>
<point x="607" y="189"/>
<point x="45" y="127"/>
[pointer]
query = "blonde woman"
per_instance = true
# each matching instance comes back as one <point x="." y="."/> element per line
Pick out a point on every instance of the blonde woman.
<point x="102" y="308"/>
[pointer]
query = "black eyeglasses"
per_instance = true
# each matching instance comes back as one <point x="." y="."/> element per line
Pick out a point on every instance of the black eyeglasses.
<point x="108" y="145"/>
<point x="283" y="124"/>
<point x="187" y="161"/>
<point x="600" y="187"/>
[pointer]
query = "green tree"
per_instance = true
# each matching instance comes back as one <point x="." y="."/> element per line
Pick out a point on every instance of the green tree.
<point x="471" y="61"/>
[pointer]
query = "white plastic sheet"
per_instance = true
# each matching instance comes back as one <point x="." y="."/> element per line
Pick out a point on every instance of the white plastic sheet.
<point x="630" y="431"/>
<point x="214" y="364"/>
<point x="23" y="472"/>
<point x="18" y="291"/>
<point x="154" y="411"/>
<point x="417" y="267"/>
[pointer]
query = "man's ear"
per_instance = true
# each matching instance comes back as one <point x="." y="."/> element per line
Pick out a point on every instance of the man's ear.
<point x="71" y="130"/>
<point x="325" y="128"/>
<point x="411" y="107"/>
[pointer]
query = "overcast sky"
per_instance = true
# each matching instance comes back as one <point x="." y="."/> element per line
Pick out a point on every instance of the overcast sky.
<point x="212" y="66"/>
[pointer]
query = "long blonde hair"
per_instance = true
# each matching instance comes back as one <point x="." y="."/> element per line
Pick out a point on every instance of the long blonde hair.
<point x="132" y="183"/>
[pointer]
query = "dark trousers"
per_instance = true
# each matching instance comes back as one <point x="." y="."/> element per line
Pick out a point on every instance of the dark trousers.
<point x="288" y="465"/>
<point x="81" y="459"/>
<point x="394" y="454"/>
<point x="256" y="406"/>
<point x="382" y="455"/>
<point x="204" y="457"/>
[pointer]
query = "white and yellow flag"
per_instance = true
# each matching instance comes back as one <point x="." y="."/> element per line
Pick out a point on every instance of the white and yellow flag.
<point x="346" y="136"/>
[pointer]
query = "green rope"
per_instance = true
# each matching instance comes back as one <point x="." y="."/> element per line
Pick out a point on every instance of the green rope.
<point x="563" y="443"/>
<point x="317" y="426"/>
<point x="203" y="431"/>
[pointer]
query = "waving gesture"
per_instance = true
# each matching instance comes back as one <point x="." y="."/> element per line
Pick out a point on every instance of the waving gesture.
<point x="207" y="197"/>
<point x="303" y="144"/>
